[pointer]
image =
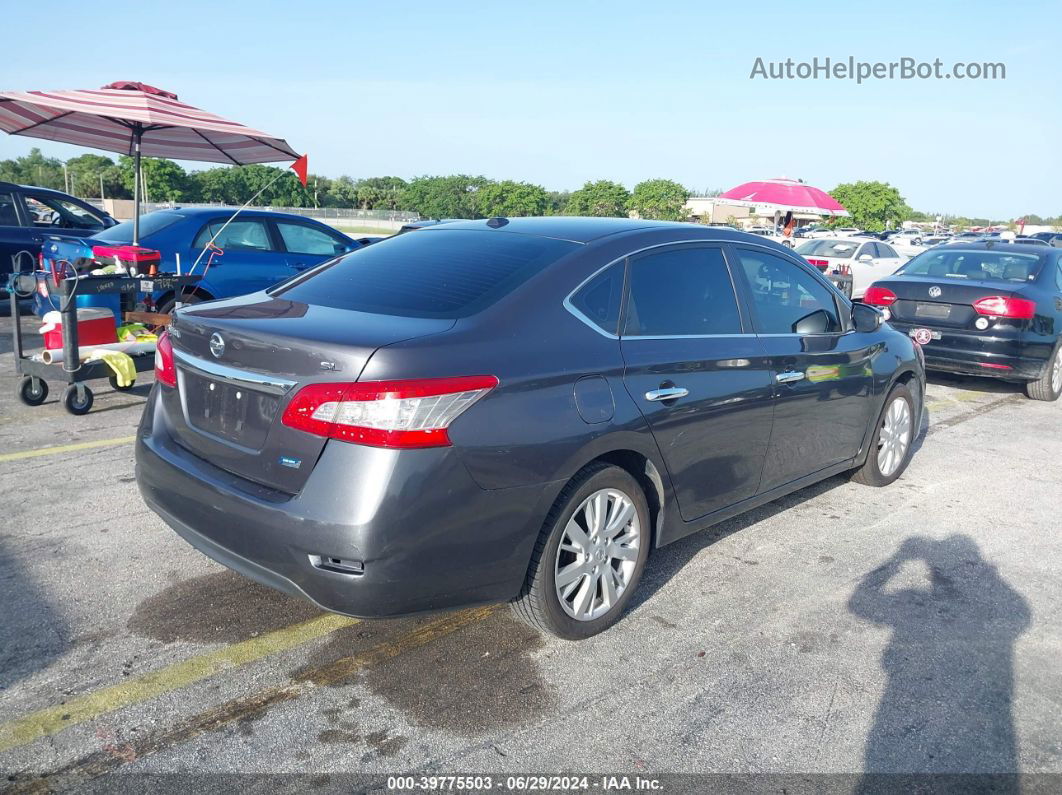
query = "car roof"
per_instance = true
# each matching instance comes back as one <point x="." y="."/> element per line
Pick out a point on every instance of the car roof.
<point x="565" y="227"/>
<point x="48" y="191"/>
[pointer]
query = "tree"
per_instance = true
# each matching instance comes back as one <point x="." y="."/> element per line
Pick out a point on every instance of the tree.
<point x="659" y="200"/>
<point x="164" y="180"/>
<point x="601" y="198"/>
<point x="86" y="173"/>
<point x="34" y="169"/>
<point x="508" y="198"/>
<point x="872" y="205"/>
<point x="379" y="193"/>
<point x="443" y="197"/>
<point x="556" y="201"/>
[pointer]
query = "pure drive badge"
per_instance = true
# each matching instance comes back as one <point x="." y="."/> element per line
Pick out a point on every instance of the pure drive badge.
<point x="291" y="463"/>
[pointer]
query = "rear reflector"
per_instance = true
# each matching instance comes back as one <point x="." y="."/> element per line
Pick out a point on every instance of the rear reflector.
<point x="993" y="366"/>
<point x="396" y="414"/>
<point x="1005" y="306"/>
<point x="165" y="372"/>
<point x="879" y="296"/>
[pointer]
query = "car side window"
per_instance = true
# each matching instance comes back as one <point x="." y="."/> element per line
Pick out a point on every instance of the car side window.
<point x="8" y="214"/>
<point x="1058" y="273"/>
<point x="886" y="251"/>
<point x="600" y="298"/>
<point x="866" y="248"/>
<point x="784" y="294"/>
<point x="59" y="213"/>
<point x="238" y="236"/>
<point x="304" y="239"/>
<point x="685" y="291"/>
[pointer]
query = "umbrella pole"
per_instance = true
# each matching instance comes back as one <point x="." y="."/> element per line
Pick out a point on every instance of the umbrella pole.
<point x="138" y="133"/>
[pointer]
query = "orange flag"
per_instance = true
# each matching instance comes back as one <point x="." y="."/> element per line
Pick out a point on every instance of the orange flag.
<point x="299" y="167"/>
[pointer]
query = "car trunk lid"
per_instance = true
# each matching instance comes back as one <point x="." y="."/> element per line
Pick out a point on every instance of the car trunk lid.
<point x="238" y="364"/>
<point x="940" y="302"/>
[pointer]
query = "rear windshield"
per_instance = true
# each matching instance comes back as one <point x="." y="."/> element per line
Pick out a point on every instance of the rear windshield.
<point x="979" y="264"/>
<point x="149" y="225"/>
<point x="439" y="273"/>
<point x="828" y="248"/>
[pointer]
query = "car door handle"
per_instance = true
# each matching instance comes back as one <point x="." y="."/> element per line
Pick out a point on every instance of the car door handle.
<point x="666" y="393"/>
<point x="789" y="376"/>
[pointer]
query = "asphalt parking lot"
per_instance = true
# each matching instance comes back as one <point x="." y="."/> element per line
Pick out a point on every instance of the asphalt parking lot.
<point x="913" y="628"/>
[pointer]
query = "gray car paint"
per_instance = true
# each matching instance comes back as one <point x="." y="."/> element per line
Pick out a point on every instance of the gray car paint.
<point x="452" y="526"/>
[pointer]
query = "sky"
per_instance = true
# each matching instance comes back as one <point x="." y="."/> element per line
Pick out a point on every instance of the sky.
<point x="559" y="93"/>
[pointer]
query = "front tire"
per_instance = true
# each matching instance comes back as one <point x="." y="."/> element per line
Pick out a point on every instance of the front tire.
<point x="1049" y="387"/>
<point x="892" y="442"/>
<point x="589" y="556"/>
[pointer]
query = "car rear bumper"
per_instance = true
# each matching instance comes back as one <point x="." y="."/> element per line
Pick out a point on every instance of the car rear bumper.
<point x="989" y="355"/>
<point x="425" y="535"/>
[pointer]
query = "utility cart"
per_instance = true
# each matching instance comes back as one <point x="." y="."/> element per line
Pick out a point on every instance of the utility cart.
<point x="77" y="397"/>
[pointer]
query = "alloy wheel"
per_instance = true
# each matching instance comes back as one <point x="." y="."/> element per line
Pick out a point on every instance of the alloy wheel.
<point x="1056" y="373"/>
<point x="598" y="554"/>
<point x="894" y="437"/>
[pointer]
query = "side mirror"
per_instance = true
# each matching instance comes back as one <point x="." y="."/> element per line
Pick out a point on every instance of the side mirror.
<point x="866" y="318"/>
<point x="818" y="322"/>
<point x="864" y="258"/>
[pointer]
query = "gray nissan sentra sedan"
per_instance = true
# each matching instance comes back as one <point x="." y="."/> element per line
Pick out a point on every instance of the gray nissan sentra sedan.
<point x="515" y="410"/>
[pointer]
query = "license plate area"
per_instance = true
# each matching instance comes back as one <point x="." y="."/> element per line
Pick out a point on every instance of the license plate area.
<point x="931" y="311"/>
<point x="234" y="413"/>
<point x="923" y="336"/>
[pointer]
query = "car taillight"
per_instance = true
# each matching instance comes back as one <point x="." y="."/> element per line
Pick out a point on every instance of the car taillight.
<point x="819" y="263"/>
<point x="397" y="414"/>
<point x="1005" y="306"/>
<point x="879" y="296"/>
<point x="165" y="372"/>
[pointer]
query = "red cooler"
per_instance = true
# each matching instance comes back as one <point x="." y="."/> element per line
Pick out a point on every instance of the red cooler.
<point x="94" y="327"/>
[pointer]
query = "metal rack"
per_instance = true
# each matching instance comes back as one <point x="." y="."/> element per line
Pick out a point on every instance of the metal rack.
<point x="77" y="397"/>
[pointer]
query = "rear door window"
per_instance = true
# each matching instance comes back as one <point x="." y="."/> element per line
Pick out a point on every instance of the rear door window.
<point x="305" y="239"/>
<point x="682" y="292"/>
<point x="240" y="235"/>
<point x="600" y="298"/>
<point x="783" y="293"/>
<point x="442" y="273"/>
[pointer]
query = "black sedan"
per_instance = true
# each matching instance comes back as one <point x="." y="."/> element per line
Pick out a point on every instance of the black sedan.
<point x="514" y="410"/>
<point x="989" y="309"/>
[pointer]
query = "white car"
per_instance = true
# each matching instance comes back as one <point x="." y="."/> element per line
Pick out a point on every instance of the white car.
<point x="770" y="234"/>
<point x="908" y="237"/>
<point x="865" y="261"/>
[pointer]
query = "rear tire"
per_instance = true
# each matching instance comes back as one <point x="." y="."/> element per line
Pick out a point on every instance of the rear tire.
<point x="600" y="563"/>
<point x="188" y="299"/>
<point x="1049" y="387"/>
<point x="892" y="442"/>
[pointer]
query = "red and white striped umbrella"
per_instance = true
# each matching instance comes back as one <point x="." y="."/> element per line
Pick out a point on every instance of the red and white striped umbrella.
<point x="109" y="118"/>
<point x="135" y="119"/>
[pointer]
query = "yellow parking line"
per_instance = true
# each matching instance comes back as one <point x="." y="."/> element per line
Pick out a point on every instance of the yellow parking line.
<point x="52" y="720"/>
<point x="75" y="774"/>
<point x="65" y="448"/>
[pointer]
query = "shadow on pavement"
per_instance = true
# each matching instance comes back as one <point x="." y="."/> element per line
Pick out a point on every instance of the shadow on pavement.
<point x="973" y="384"/>
<point x="947" y="705"/>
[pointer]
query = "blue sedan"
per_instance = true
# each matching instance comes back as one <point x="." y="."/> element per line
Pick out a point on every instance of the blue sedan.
<point x="260" y="248"/>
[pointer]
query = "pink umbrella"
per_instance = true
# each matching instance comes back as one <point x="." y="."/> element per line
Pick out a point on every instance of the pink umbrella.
<point x="134" y="119"/>
<point x="778" y="196"/>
